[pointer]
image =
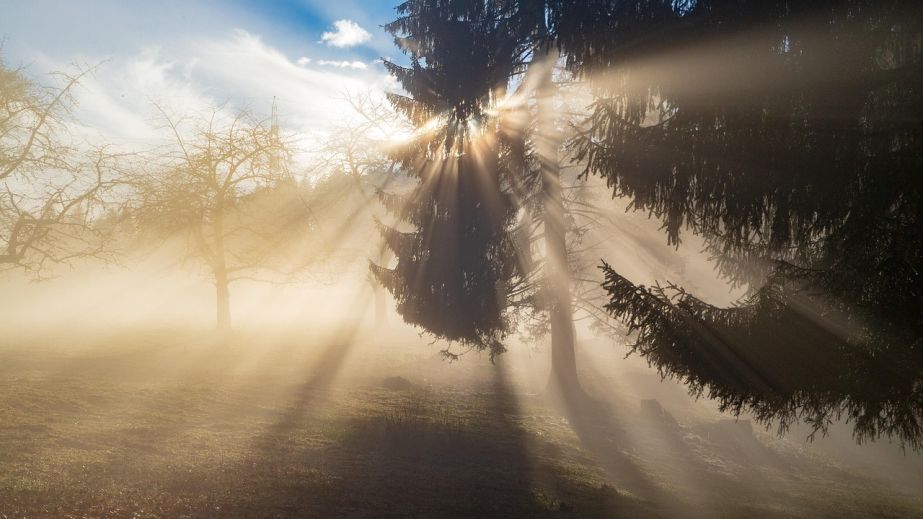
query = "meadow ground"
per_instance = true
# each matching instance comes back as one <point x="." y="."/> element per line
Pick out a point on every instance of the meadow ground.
<point x="184" y="424"/>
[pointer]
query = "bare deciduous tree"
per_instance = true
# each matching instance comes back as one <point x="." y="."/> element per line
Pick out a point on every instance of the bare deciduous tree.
<point x="51" y="185"/>
<point x="223" y="185"/>
<point x="356" y="150"/>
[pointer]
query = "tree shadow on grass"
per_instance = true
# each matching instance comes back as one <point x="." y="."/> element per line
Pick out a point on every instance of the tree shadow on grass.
<point x="601" y="433"/>
<point x="681" y="474"/>
<point x="315" y="389"/>
<point x="420" y="455"/>
<point x="167" y="450"/>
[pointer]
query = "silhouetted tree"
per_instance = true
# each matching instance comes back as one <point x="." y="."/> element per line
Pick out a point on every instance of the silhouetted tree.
<point x="789" y="135"/>
<point x="455" y="261"/>
<point x="465" y="56"/>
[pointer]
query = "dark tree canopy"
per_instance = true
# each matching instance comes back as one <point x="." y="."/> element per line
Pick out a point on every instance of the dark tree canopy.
<point x="457" y="263"/>
<point x="787" y="134"/>
<point x="462" y="54"/>
<point x="790" y="135"/>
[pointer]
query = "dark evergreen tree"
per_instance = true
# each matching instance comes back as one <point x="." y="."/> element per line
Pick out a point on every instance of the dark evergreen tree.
<point x="456" y="265"/>
<point x="788" y="135"/>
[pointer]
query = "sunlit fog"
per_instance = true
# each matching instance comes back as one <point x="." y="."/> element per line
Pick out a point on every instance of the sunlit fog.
<point x="461" y="258"/>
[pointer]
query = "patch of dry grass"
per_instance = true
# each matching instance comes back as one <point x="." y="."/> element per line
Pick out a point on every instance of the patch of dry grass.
<point x="195" y="427"/>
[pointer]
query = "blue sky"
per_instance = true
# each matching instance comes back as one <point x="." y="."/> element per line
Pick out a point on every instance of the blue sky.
<point x="192" y="54"/>
<point x="113" y="26"/>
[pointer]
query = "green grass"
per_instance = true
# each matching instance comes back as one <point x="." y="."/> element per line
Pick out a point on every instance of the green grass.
<point x="184" y="427"/>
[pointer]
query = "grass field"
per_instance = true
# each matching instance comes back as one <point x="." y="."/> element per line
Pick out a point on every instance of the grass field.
<point x="181" y="424"/>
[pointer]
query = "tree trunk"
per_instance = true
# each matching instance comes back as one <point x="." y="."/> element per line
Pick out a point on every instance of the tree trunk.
<point x="223" y="300"/>
<point x="220" y="268"/>
<point x="379" y="293"/>
<point x="381" y="310"/>
<point x="563" y="380"/>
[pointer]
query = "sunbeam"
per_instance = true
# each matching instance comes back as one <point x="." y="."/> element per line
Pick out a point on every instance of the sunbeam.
<point x="461" y="258"/>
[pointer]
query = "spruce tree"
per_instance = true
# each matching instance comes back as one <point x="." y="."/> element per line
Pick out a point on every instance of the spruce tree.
<point x="456" y="263"/>
<point x="789" y="136"/>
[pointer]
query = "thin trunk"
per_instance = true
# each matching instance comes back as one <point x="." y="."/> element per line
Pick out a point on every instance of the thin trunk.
<point x="563" y="359"/>
<point x="223" y="299"/>
<point x="222" y="288"/>
<point x="379" y="292"/>
<point x="381" y="311"/>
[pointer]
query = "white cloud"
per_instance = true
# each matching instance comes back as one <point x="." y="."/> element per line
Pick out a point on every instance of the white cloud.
<point x="304" y="60"/>
<point x="343" y="64"/>
<point x="236" y="71"/>
<point x="116" y="102"/>
<point x="347" y="34"/>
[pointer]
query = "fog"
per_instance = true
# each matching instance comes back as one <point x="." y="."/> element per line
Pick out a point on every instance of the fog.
<point x="540" y="260"/>
<point x="125" y="344"/>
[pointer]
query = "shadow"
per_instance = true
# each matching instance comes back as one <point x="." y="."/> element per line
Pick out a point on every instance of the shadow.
<point x="333" y="448"/>
<point x="419" y="454"/>
<point x="314" y="391"/>
<point x="601" y="433"/>
<point x="714" y="469"/>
